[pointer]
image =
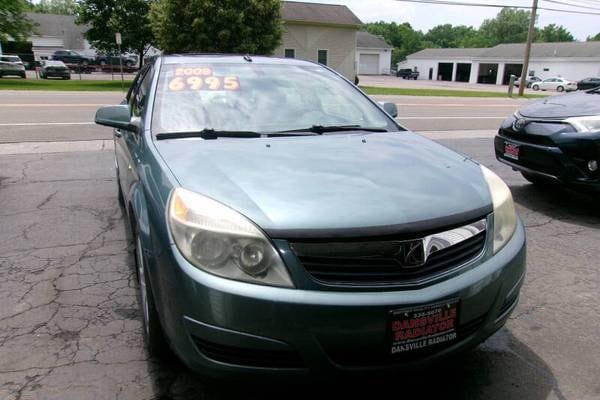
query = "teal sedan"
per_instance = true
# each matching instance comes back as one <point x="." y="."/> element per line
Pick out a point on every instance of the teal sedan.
<point x="285" y="224"/>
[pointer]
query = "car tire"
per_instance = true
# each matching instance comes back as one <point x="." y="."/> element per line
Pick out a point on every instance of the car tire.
<point x="535" y="87"/>
<point x="560" y="89"/>
<point x="154" y="337"/>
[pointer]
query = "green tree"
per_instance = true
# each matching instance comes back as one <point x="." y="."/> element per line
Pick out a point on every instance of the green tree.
<point x="13" y="23"/>
<point x="594" y="38"/>
<point x="553" y="33"/>
<point x="509" y="26"/>
<point x="223" y="26"/>
<point x="64" y="7"/>
<point x="452" y="36"/>
<point x="106" y="17"/>
<point x="402" y="36"/>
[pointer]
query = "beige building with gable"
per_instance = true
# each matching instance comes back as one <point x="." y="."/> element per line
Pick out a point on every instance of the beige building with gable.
<point x="324" y="33"/>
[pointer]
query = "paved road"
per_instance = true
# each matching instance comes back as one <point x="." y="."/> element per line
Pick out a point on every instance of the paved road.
<point x="56" y="116"/>
<point x="394" y="82"/>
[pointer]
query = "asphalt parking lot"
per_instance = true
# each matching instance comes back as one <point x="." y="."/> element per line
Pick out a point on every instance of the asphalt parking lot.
<point x="70" y="326"/>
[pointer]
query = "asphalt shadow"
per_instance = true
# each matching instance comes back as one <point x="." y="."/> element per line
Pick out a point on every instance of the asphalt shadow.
<point x="559" y="203"/>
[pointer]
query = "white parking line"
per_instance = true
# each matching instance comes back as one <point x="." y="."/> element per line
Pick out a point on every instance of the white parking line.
<point x="46" y="123"/>
<point x="451" y="117"/>
<point x="55" y="147"/>
<point x="456" y="105"/>
<point x="50" y="105"/>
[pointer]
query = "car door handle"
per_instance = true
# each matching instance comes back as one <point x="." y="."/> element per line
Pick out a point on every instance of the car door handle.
<point x="118" y="133"/>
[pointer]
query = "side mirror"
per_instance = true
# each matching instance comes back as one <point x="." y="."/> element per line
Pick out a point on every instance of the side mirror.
<point x="115" y="117"/>
<point x="390" y="108"/>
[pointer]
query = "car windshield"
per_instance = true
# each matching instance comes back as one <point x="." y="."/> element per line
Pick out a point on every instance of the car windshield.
<point x="258" y="98"/>
<point x="54" y="63"/>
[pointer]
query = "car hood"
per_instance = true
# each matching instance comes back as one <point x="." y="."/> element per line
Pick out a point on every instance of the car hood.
<point x="334" y="185"/>
<point x="577" y="104"/>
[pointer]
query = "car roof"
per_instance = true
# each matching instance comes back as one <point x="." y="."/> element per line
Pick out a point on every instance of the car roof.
<point x="230" y="59"/>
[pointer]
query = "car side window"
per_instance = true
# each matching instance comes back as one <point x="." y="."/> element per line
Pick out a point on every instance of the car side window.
<point x="139" y="96"/>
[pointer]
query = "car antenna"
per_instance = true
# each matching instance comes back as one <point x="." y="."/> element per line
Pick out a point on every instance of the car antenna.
<point x="248" y="58"/>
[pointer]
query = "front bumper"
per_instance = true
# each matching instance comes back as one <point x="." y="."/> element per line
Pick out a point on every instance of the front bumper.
<point x="563" y="159"/>
<point x="225" y="328"/>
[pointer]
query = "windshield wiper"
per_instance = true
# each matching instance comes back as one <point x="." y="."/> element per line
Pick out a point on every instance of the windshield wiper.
<point x="320" y="129"/>
<point x="207" y="134"/>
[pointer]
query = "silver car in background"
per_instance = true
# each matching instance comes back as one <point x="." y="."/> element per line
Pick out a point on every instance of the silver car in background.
<point x="11" y="66"/>
<point x="557" y="83"/>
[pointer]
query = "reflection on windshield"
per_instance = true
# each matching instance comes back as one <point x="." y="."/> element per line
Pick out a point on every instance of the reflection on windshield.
<point x="260" y="98"/>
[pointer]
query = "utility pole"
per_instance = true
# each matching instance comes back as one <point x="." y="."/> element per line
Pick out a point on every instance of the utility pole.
<point x="525" y="72"/>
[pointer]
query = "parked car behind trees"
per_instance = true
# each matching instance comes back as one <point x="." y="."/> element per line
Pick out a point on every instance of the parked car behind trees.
<point x="72" y="57"/>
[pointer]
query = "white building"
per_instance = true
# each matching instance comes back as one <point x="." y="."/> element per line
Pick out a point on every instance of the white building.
<point x="570" y="60"/>
<point x="56" y="32"/>
<point x="373" y="54"/>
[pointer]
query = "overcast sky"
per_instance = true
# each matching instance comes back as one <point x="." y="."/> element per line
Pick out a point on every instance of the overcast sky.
<point x="425" y="16"/>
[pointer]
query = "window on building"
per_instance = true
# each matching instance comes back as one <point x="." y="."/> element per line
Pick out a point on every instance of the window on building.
<point x="290" y="53"/>
<point x="322" y="57"/>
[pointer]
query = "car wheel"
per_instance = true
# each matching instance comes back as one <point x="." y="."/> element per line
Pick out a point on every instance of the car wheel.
<point x="535" y="87"/>
<point x="560" y="89"/>
<point x="153" y="334"/>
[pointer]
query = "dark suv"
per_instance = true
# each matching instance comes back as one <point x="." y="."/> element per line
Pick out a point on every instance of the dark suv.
<point x="555" y="140"/>
<point x="72" y="57"/>
<point x="407" y="73"/>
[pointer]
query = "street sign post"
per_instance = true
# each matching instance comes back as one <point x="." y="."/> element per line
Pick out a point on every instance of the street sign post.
<point x="119" y="41"/>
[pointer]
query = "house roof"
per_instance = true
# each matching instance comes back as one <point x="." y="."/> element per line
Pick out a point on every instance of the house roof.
<point x="545" y="50"/>
<point x="292" y="11"/>
<point x="370" y="41"/>
<point x="448" y="53"/>
<point x="516" y="50"/>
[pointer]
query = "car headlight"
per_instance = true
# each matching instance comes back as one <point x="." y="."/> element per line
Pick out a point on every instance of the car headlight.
<point x="585" y="124"/>
<point x="505" y="218"/>
<point x="221" y="241"/>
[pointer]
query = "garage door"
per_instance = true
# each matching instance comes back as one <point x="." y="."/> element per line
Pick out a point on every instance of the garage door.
<point x="369" y="64"/>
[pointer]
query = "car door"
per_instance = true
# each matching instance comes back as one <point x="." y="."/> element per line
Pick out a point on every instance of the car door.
<point x="121" y="156"/>
<point x="132" y="141"/>
<point x="548" y="84"/>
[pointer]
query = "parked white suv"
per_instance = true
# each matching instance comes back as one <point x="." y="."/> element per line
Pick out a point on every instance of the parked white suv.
<point x="559" y="84"/>
<point x="11" y="66"/>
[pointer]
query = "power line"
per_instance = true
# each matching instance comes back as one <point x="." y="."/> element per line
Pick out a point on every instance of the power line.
<point x="571" y="5"/>
<point x="460" y="3"/>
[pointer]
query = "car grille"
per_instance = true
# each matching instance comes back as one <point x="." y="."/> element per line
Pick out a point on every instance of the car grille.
<point x="378" y="263"/>
<point x="537" y="132"/>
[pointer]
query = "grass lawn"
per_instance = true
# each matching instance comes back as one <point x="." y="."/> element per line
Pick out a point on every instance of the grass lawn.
<point x="60" y="85"/>
<point x="439" y="92"/>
